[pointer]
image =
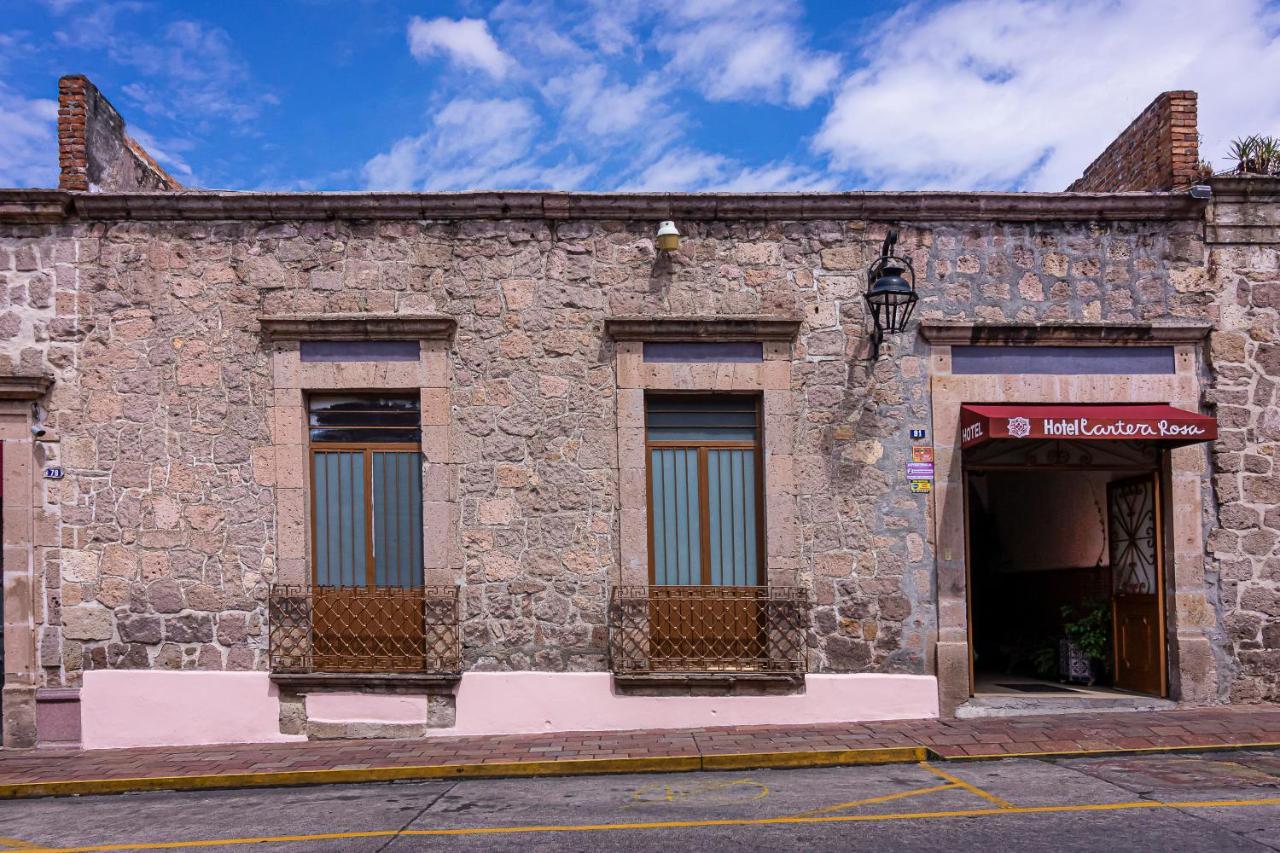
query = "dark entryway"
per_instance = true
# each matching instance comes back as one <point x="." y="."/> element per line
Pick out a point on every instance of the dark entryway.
<point x="1065" y="567"/>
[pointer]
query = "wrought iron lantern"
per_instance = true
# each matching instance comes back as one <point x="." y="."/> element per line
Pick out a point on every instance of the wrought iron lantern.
<point x="891" y="293"/>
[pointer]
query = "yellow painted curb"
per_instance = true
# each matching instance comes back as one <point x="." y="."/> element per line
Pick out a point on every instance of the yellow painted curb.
<point x="815" y="758"/>
<point x="1119" y="750"/>
<point x="562" y="767"/>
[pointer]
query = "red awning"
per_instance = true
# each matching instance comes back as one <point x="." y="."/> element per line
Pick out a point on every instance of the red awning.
<point x="1158" y="423"/>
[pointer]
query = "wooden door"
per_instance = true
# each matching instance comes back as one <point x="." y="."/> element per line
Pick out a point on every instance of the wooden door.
<point x="1137" y="571"/>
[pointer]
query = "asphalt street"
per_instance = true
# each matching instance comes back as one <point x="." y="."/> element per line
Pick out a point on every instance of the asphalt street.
<point x="1212" y="802"/>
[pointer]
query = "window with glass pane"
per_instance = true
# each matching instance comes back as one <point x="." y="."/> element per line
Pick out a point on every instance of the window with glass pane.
<point x="704" y="490"/>
<point x="366" y="490"/>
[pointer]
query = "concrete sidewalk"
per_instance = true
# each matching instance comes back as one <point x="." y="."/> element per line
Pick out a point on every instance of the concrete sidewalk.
<point x="27" y="773"/>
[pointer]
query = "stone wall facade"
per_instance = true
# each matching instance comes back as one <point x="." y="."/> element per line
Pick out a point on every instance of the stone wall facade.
<point x="158" y="546"/>
<point x="1158" y="152"/>
<point x="1244" y="265"/>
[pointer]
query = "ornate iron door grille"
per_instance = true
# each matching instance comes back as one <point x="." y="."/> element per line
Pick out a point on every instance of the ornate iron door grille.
<point x="1137" y="566"/>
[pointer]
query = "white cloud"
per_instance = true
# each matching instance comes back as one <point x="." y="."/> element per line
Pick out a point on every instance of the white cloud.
<point x="688" y="170"/>
<point x="992" y="94"/>
<point x="191" y="71"/>
<point x="473" y="144"/>
<point x="591" y="104"/>
<point x="467" y="42"/>
<point x="28" y="140"/>
<point x="744" y="50"/>
<point x="197" y="72"/>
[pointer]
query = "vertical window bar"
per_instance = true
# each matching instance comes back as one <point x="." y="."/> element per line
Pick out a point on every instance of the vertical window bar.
<point x="415" y="519"/>
<point x="670" y="493"/>
<point x="403" y="504"/>
<point x="750" y="565"/>
<point x="379" y="524"/>
<point x="739" y="515"/>
<point x="693" y="542"/>
<point x="714" y="517"/>
<point x="322" y="529"/>
<point x="333" y="501"/>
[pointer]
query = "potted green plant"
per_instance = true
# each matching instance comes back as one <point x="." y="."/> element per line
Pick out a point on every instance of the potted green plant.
<point x="1084" y="651"/>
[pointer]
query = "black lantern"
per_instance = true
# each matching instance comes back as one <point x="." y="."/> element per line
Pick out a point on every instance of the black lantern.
<point x="891" y="293"/>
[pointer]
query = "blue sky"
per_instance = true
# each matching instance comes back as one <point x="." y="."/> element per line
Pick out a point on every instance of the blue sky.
<point x="752" y="95"/>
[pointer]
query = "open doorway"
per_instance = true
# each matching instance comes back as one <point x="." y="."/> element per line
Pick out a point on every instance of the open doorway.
<point x="1065" y="575"/>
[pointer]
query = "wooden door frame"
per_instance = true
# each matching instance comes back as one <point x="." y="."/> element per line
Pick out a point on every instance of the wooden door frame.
<point x="367" y="449"/>
<point x="704" y="510"/>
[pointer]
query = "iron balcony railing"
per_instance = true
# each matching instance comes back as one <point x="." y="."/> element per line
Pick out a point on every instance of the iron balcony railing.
<point x="364" y="629"/>
<point x="698" y="629"/>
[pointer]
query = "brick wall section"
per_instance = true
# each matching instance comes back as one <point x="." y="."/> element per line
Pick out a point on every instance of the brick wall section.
<point x="73" y="159"/>
<point x="1157" y="152"/>
<point x="94" y="152"/>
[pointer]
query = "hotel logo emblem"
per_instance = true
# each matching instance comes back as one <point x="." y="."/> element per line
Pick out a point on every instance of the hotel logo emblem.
<point x="1019" y="427"/>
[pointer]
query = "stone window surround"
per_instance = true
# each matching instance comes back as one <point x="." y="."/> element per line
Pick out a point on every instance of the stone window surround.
<point x="771" y="378"/>
<point x="283" y="464"/>
<point x="1190" y="616"/>
<point x="22" y="498"/>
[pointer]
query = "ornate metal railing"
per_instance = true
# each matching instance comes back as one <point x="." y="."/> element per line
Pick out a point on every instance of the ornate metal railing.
<point x="693" y="629"/>
<point x="364" y="629"/>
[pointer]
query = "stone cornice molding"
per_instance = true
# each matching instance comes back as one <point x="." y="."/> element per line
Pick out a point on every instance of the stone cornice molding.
<point x="1244" y="210"/>
<point x="24" y="387"/>
<point x="25" y="205"/>
<point x="740" y="327"/>
<point x="1063" y="334"/>
<point x="1240" y="187"/>
<point x="357" y="327"/>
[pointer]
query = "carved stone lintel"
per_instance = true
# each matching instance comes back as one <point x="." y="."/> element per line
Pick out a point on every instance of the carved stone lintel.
<point x="24" y="387"/>
<point x="1063" y="334"/>
<point x="357" y="327"/>
<point x="738" y="327"/>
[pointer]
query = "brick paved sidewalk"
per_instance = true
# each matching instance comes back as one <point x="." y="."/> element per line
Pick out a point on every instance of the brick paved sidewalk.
<point x="674" y="749"/>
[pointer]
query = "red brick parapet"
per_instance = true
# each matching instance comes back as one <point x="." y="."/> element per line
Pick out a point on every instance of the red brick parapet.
<point x="1158" y="152"/>
<point x="94" y="152"/>
<point x="73" y="157"/>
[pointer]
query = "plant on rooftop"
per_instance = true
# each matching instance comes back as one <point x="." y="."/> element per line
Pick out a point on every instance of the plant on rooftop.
<point x="1256" y="155"/>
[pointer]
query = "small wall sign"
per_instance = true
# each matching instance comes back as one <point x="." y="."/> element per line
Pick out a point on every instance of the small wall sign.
<point x="919" y="470"/>
<point x="53" y="473"/>
<point x="921" y="487"/>
<point x="922" y="453"/>
<point x="917" y="434"/>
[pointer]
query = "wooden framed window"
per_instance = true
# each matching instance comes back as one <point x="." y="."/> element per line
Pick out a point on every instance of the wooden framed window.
<point x="705" y="496"/>
<point x="366" y="490"/>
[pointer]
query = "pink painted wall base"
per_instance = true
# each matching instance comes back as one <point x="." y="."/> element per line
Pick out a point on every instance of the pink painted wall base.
<point x="126" y="708"/>
<point x="123" y="708"/>
<point x="350" y="707"/>
<point x="492" y="703"/>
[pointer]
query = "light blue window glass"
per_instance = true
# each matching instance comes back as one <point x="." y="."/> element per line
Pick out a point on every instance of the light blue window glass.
<point x="731" y="495"/>
<point x="397" y="519"/>
<point x="340" y="544"/>
<point x="704" y="490"/>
